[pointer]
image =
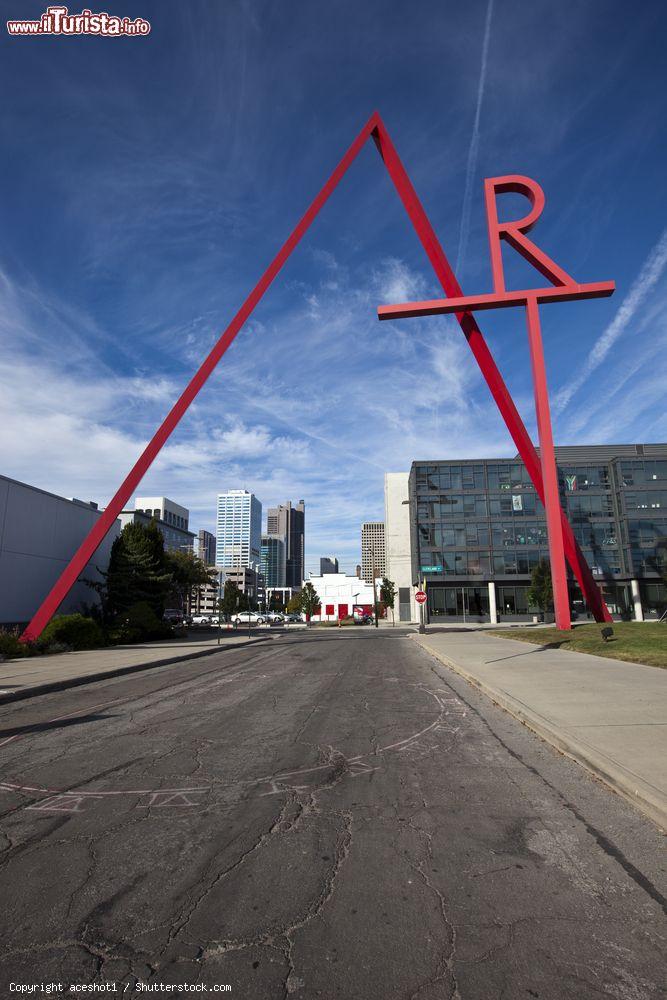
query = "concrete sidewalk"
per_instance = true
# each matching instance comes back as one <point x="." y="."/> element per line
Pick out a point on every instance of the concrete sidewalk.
<point x="608" y="715"/>
<point x="37" y="675"/>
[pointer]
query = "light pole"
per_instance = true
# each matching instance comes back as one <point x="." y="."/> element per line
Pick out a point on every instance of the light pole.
<point x="375" y="597"/>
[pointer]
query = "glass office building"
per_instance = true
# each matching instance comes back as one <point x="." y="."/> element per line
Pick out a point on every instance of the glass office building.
<point x="238" y="530"/>
<point x="479" y="529"/>
<point x="274" y="560"/>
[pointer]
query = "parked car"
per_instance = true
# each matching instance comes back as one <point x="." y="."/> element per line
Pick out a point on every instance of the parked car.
<point x="275" y="617"/>
<point x="201" y="620"/>
<point x="248" y="617"/>
<point x="173" y="616"/>
<point x="292" y="619"/>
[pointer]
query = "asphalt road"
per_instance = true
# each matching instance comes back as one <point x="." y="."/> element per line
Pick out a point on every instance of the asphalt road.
<point x="327" y="815"/>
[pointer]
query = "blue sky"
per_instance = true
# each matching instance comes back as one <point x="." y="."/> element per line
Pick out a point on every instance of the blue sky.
<point x="147" y="182"/>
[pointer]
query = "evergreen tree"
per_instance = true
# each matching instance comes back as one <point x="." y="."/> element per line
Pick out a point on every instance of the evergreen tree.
<point x="540" y="593"/>
<point x="137" y="571"/>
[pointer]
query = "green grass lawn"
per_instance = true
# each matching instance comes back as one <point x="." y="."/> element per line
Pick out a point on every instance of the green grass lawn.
<point x="638" y="642"/>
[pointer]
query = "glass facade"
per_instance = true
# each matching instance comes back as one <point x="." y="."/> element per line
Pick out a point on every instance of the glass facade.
<point x="481" y="522"/>
<point x="273" y="560"/>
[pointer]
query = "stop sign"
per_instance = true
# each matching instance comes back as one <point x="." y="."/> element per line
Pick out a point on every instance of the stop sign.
<point x="420" y="597"/>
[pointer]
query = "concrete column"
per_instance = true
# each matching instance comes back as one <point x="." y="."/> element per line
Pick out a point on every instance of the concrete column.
<point x="493" y="611"/>
<point x="637" y="600"/>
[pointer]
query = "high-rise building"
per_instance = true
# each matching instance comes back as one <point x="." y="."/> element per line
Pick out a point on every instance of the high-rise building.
<point x="288" y="522"/>
<point x="239" y="530"/>
<point x="274" y="560"/>
<point x="372" y="550"/>
<point x="206" y="547"/>
<point x="328" y="564"/>
<point x="478" y="529"/>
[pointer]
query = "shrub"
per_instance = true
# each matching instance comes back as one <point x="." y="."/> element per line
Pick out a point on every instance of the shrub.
<point x="58" y="647"/>
<point x="75" y="631"/>
<point x="11" y="648"/>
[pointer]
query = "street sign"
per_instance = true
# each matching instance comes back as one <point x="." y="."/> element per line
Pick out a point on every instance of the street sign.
<point x="420" y="597"/>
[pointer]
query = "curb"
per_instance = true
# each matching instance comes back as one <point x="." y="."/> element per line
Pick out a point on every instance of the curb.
<point x="71" y="682"/>
<point x="621" y="780"/>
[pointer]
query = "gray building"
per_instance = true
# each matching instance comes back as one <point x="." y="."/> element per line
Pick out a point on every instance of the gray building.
<point x="274" y="560"/>
<point x="478" y="530"/>
<point x="289" y="522"/>
<point x="39" y="534"/>
<point x="373" y="562"/>
<point x="206" y="547"/>
<point x="328" y="564"/>
<point x="170" y="517"/>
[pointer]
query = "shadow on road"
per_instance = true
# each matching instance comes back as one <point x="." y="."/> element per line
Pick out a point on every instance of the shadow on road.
<point x="42" y="727"/>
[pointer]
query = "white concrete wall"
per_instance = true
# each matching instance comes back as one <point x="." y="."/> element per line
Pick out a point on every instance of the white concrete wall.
<point x="39" y="533"/>
<point x="339" y="588"/>
<point x="397" y="537"/>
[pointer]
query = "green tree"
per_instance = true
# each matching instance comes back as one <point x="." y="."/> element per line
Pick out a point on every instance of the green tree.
<point x="294" y="604"/>
<point x="540" y="592"/>
<point x="233" y="600"/>
<point x="137" y="573"/>
<point x="188" y="573"/>
<point x="309" y="601"/>
<point x="388" y="595"/>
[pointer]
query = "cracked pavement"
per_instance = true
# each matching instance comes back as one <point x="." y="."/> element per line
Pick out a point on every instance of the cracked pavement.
<point x="331" y="816"/>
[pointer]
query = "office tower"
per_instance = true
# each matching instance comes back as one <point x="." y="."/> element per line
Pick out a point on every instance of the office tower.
<point x="288" y="522"/>
<point x="372" y="550"/>
<point x="239" y="530"/>
<point x="479" y="530"/>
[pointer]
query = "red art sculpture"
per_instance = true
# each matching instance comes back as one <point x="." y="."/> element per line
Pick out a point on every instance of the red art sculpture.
<point x="563" y="289"/>
<point x="513" y="232"/>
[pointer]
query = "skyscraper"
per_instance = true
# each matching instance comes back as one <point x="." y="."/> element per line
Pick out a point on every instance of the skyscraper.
<point x="206" y="546"/>
<point x="328" y="564"/>
<point x="288" y="522"/>
<point x="372" y="550"/>
<point x="239" y="530"/>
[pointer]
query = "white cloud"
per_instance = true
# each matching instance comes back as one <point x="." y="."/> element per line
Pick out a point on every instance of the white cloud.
<point x="650" y="274"/>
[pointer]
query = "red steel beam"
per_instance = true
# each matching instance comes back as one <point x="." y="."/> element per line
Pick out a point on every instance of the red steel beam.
<point x="375" y="127"/>
<point x="494" y="300"/>
<point x="103" y="525"/>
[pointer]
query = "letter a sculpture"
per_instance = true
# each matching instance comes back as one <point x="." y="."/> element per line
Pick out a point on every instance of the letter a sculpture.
<point x="542" y="470"/>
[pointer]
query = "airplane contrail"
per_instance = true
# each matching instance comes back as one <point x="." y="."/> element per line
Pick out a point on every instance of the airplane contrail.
<point x="474" y="146"/>
<point x="651" y="271"/>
